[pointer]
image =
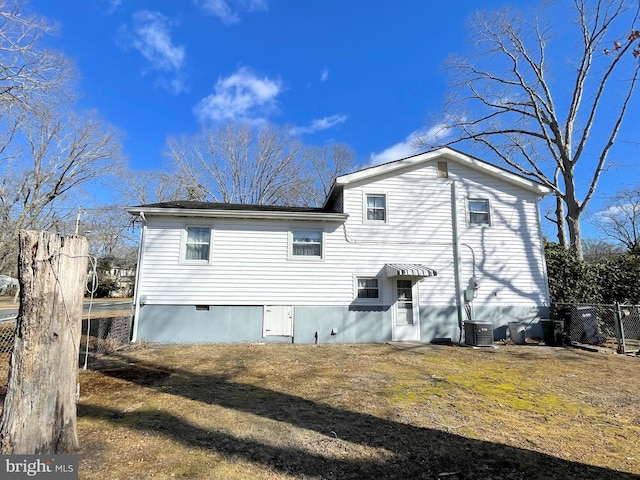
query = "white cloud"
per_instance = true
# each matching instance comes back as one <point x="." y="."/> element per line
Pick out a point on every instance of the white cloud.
<point x="320" y="124"/>
<point x="241" y="96"/>
<point x="152" y="38"/>
<point x="114" y="5"/>
<point x="176" y="85"/>
<point x="395" y="152"/>
<point x="150" y="35"/>
<point x="407" y="148"/>
<point x="325" y="74"/>
<point x="228" y="11"/>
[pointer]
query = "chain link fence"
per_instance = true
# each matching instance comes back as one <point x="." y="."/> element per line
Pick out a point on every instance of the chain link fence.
<point x="630" y="322"/>
<point x="611" y="326"/>
<point x="105" y="328"/>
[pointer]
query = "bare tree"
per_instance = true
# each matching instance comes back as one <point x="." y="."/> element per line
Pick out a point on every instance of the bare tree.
<point x="110" y="231"/>
<point x="326" y="164"/>
<point x="238" y="164"/>
<point x="29" y="72"/>
<point x="52" y="153"/>
<point x="140" y="187"/>
<point x="541" y="122"/>
<point x="46" y="151"/>
<point x="620" y="221"/>
<point x="595" y="249"/>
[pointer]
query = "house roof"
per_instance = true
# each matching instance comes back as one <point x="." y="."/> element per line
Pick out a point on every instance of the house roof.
<point x="445" y="153"/>
<point x="190" y="208"/>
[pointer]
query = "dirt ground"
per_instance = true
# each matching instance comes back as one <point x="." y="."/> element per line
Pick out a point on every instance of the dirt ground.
<point x="368" y="411"/>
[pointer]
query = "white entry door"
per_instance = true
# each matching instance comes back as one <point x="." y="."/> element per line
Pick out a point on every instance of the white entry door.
<point x="278" y="321"/>
<point x="406" y="324"/>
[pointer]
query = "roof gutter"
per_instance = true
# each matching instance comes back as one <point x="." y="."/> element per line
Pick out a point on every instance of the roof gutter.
<point x="242" y="214"/>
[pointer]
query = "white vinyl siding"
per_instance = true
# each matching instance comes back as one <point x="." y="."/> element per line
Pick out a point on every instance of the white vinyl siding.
<point x="251" y="261"/>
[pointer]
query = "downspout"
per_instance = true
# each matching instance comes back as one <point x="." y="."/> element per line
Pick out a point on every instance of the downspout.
<point x="136" y="295"/>
<point x="457" y="259"/>
<point x="544" y="259"/>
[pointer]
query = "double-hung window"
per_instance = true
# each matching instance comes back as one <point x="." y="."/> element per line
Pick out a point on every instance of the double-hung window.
<point x="368" y="289"/>
<point x="306" y="243"/>
<point x="197" y="244"/>
<point x="479" y="213"/>
<point x="376" y="208"/>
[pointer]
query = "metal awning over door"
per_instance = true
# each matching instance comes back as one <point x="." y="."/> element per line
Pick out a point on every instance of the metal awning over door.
<point x="408" y="270"/>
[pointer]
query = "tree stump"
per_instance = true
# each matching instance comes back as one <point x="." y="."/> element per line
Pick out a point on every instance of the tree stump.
<point x="39" y="415"/>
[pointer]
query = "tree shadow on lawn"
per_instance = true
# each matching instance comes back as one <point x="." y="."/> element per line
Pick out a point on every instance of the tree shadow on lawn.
<point x="416" y="452"/>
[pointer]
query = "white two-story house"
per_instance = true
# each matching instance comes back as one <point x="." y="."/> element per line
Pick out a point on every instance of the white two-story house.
<point x="405" y="251"/>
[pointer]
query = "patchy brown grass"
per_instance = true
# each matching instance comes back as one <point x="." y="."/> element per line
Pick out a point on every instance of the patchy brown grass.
<point x="367" y="411"/>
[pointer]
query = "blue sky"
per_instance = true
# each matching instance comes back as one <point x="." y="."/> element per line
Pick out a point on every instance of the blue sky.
<point x="361" y="72"/>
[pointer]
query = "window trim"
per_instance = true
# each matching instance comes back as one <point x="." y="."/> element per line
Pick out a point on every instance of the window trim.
<point x="365" y="207"/>
<point x="306" y="258"/>
<point x="183" y="244"/>
<point x="470" y="212"/>
<point x="356" y="289"/>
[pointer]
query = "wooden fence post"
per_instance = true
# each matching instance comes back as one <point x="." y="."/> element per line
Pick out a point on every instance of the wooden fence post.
<point x="39" y="415"/>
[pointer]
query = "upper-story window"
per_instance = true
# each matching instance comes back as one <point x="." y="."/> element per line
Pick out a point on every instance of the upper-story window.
<point x="306" y="243"/>
<point x="197" y="244"/>
<point x="479" y="213"/>
<point x="376" y="208"/>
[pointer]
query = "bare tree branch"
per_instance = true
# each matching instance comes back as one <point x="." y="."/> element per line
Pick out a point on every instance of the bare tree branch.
<point x="621" y="219"/>
<point x="58" y="152"/>
<point x="502" y="100"/>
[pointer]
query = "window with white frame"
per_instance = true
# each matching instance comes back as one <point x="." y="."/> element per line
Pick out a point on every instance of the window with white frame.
<point x="367" y="289"/>
<point x="376" y="208"/>
<point x="197" y="244"/>
<point x="479" y="212"/>
<point x="306" y="243"/>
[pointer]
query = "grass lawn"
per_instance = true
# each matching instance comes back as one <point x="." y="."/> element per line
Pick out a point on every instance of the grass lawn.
<point x="367" y="411"/>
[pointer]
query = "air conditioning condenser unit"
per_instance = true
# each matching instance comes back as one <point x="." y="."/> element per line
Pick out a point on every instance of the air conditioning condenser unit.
<point x="478" y="334"/>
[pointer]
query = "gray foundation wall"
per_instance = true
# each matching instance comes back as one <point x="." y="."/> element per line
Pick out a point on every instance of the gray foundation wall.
<point x="185" y="324"/>
<point x="316" y="324"/>
<point x="342" y="324"/>
<point x="439" y="323"/>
